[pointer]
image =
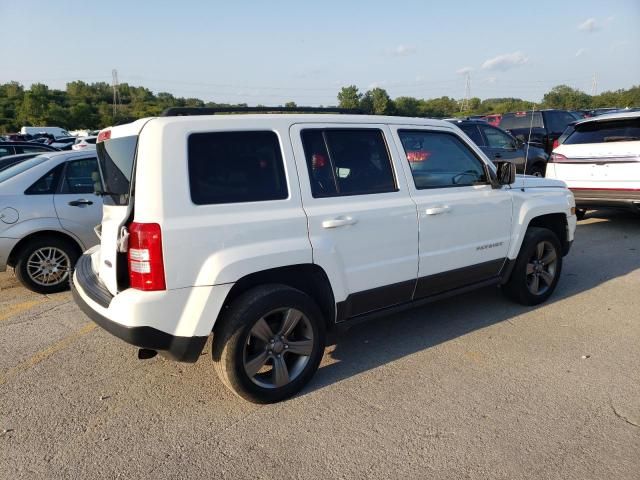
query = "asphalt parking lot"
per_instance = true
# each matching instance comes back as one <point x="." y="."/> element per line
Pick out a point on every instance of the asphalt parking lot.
<point x="471" y="387"/>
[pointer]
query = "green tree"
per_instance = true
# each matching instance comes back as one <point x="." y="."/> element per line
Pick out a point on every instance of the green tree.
<point x="349" y="97"/>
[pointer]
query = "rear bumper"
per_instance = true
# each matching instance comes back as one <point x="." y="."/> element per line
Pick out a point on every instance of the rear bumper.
<point x="6" y="246"/>
<point x="176" y="323"/>
<point x="606" y="197"/>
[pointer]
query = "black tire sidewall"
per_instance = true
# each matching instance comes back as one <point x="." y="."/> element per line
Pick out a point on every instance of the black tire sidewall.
<point x="21" y="263"/>
<point x="230" y="336"/>
<point x="517" y="286"/>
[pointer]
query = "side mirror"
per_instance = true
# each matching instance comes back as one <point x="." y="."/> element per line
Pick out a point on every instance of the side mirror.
<point x="506" y="172"/>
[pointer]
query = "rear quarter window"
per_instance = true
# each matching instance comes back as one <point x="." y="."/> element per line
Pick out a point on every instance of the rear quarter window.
<point x="235" y="167"/>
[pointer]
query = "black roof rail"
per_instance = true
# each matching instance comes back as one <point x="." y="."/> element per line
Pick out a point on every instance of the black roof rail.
<point x="186" y="111"/>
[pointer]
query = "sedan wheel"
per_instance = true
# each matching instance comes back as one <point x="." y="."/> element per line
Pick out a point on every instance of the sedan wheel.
<point x="48" y="266"/>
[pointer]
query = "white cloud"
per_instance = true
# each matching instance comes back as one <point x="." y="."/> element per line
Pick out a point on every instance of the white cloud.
<point x="589" y="25"/>
<point x="402" y="50"/>
<point x="464" y="70"/>
<point x="581" y="51"/>
<point x="505" y="61"/>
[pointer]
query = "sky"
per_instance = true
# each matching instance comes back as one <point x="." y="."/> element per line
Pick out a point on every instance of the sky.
<point x="269" y="53"/>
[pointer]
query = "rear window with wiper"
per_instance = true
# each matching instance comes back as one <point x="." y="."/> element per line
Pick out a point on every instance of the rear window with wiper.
<point x="622" y="130"/>
<point x="115" y="159"/>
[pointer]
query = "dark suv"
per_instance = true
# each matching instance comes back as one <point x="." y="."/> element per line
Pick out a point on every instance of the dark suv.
<point x="499" y="145"/>
<point x="546" y="126"/>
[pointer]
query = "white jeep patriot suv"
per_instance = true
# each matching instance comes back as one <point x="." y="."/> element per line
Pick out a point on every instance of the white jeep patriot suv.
<point x="269" y="230"/>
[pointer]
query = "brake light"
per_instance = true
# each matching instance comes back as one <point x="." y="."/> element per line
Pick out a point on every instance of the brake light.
<point x="146" y="266"/>
<point x="556" y="143"/>
<point x="557" y="158"/>
<point x="103" y="135"/>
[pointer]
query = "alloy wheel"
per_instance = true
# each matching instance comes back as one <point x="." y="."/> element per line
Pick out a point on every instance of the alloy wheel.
<point x="48" y="266"/>
<point x="541" y="268"/>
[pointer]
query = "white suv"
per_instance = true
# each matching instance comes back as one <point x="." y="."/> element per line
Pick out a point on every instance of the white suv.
<point x="270" y="230"/>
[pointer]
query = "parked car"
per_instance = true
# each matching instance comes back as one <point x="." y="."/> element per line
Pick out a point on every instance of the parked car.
<point x="540" y="127"/>
<point x="85" y="143"/>
<point x="499" y="145"/>
<point x="64" y="143"/>
<point x="15" y="148"/>
<point x="493" y="119"/>
<point x="55" y="131"/>
<point x="48" y="211"/>
<point x="600" y="162"/>
<point x="271" y="229"/>
<point x="10" y="160"/>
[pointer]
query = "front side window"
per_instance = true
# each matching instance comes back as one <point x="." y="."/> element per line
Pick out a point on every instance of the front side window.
<point x="81" y="176"/>
<point x="233" y="167"/>
<point x="347" y="162"/>
<point x="497" y="139"/>
<point x="441" y="160"/>
<point x="4" y="151"/>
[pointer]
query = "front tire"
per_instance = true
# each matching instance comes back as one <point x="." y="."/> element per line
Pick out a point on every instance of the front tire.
<point x="269" y="343"/>
<point x="44" y="265"/>
<point x="537" y="269"/>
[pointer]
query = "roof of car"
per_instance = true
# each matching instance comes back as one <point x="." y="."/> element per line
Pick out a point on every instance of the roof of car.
<point x="27" y="144"/>
<point x="609" y="116"/>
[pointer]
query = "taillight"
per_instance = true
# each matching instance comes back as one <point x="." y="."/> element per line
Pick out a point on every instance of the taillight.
<point x="556" y="144"/>
<point x="146" y="267"/>
<point x="557" y="158"/>
<point x="103" y="135"/>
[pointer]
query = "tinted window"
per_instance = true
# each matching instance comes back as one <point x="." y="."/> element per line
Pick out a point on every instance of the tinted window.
<point x="558" y="121"/>
<point x="47" y="184"/>
<point x="30" y="149"/>
<point x="610" y="131"/>
<point x="521" y="120"/>
<point x="20" y="167"/>
<point x="497" y="139"/>
<point x="347" y="162"/>
<point x="115" y="160"/>
<point x="230" y="167"/>
<point x="80" y="176"/>
<point x="473" y="133"/>
<point x="441" y="160"/>
<point x="4" y="151"/>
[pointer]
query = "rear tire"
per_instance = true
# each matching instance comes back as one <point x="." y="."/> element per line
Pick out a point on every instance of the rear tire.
<point x="269" y="343"/>
<point x="580" y="213"/>
<point x="45" y="264"/>
<point x="537" y="268"/>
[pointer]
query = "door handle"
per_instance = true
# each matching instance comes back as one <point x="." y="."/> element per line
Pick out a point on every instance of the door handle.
<point x="437" y="210"/>
<point x="339" y="222"/>
<point x="81" y="201"/>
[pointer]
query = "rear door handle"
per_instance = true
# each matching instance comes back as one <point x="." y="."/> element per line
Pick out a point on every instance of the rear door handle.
<point x="437" y="210"/>
<point x="81" y="201"/>
<point x="339" y="222"/>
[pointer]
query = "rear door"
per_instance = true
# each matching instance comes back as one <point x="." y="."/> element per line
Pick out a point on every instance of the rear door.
<point x="361" y="219"/>
<point x="78" y="208"/>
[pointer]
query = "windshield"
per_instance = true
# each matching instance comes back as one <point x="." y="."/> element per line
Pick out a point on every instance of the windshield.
<point x="115" y="158"/>
<point x="624" y="130"/>
<point x="521" y="120"/>
<point x="14" y="170"/>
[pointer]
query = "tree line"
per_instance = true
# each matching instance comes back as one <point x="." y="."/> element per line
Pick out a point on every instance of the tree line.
<point x="90" y="105"/>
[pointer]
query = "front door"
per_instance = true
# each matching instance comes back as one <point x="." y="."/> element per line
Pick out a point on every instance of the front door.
<point x="361" y="218"/>
<point x="464" y="223"/>
<point x="79" y="209"/>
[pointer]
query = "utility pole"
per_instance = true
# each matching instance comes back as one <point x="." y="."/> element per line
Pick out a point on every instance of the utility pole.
<point x="594" y="86"/>
<point x="467" y="92"/>
<point x="116" y="93"/>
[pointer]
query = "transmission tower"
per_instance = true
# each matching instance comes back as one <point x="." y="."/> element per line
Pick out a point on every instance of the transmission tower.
<point x="594" y="85"/>
<point x="116" y="93"/>
<point x="467" y="92"/>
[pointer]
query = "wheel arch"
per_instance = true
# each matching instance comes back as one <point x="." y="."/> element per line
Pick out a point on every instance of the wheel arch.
<point x="308" y="278"/>
<point x="12" y="258"/>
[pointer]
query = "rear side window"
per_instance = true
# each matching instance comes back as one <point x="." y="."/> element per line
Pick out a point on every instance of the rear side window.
<point x="115" y="160"/>
<point x="497" y="139"/>
<point x="441" y="160"/>
<point x="626" y="130"/>
<point x="347" y="162"/>
<point x="473" y="133"/>
<point x="234" y="167"/>
<point x="47" y="184"/>
<point x="521" y="120"/>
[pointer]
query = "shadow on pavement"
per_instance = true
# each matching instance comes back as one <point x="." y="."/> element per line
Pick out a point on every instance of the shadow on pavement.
<point x="607" y="246"/>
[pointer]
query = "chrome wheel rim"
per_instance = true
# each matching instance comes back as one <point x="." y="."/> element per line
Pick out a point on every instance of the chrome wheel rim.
<point x="48" y="266"/>
<point x="541" y="268"/>
<point x="278" y="348"/>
